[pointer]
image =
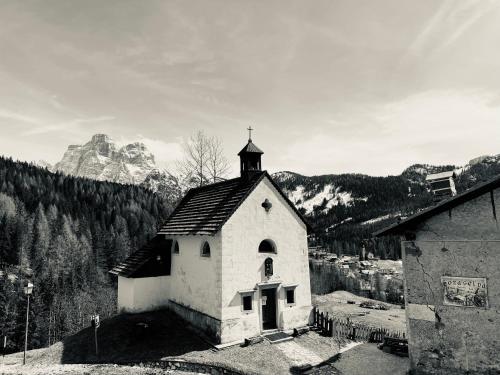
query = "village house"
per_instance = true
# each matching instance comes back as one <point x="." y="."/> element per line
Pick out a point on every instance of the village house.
<point x="231" y="259"/>
<point x="452" y="283"/>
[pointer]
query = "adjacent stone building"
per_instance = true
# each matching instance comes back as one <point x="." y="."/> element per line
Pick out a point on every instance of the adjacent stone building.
<point x="231" y="259"/>
<point x="451" y="259"/>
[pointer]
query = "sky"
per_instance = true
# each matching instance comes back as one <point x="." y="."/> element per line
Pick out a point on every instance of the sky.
<point x="330" y="86"/>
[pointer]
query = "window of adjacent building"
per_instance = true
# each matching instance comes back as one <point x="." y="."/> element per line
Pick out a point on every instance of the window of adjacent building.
<point x="246" y="301"/>
<point x="205" y="250"/>
<point x="176" y="247"/>
<point x="290" y="295"/>
<point x="267" y="246"/>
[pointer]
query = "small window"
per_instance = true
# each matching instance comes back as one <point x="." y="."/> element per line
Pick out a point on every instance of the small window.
<point x="290" y="295"/>
<point x="205" y="249"/>
<point x="247" y="303"/>
<point x="267" y="246"/>
<point x="176" y="247"/>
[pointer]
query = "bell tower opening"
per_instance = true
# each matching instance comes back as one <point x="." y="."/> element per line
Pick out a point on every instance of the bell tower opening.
<point x="250" y="158"/>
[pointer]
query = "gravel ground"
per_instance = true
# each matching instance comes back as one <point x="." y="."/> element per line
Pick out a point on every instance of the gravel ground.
<point x="266" y="358"/>
<point x="336" y="304"/>
<point x="368" y="359"/>
<point x="85" y="370"/>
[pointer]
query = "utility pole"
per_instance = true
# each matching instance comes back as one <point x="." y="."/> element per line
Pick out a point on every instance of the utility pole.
<point x="28" y="289"/>
<point x="94" y="320"/>
<point x="4" y="349"/>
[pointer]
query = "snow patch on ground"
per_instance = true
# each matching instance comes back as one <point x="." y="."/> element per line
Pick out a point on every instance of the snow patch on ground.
<point x="333" y="196"/>
<point x="283" y="176"/>
<point x="298" y="354"/>
<point x="377" y="219"/>
<point x="349" y="346"/>
<point x="347" y="220"/>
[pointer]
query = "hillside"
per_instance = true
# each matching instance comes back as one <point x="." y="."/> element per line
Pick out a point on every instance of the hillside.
<point x="344" y="209"/>
<point x="65" y="232"/>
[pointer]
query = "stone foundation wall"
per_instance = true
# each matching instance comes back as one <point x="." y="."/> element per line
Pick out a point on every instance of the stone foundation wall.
<point x="209" y="325"/>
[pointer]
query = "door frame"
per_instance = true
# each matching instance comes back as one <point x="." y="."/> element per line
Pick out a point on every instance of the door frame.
<point x="263" y="286"/>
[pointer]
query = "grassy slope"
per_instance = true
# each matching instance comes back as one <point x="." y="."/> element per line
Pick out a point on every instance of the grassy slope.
<point x="336" y="304"/>
<point x="122" y="340"/>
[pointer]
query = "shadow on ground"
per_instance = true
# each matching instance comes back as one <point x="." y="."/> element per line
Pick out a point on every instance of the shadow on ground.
<point x="360" y="360"/>
<point x="131" y="338"/>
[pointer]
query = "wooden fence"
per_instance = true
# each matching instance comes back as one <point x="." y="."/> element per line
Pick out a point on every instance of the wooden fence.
<point x="345" y="328"/>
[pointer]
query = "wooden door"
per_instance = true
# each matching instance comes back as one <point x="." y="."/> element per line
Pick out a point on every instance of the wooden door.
<point x="268" y="302"/>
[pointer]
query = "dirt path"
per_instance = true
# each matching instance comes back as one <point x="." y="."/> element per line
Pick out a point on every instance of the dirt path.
<point x="368" y="359"/>
<point x="297" y="354"/>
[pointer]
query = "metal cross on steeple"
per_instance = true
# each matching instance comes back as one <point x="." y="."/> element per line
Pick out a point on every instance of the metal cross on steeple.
<point x="249" y="133"/>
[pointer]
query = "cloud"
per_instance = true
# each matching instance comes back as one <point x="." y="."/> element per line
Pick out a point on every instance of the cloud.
<point x="437" y="126"/>
<point x="10" y="115"/>
<point x="66" y="124"/>
<point x="448" y="24"/>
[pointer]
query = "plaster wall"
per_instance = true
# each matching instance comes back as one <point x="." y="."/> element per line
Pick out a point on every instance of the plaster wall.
<point x="463" y="242"/>
<point x="243" y="266"/>
<point x="125" y="294"/>
<point x="195" y="280"/>
<point x="142" y="294"/>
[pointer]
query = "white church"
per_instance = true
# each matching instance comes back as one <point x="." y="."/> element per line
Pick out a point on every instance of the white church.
<point x="231" y="259"/>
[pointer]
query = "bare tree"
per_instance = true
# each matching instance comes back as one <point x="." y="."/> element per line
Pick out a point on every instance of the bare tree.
<point x="203" y="160"/>
<point x="218" y="166"/>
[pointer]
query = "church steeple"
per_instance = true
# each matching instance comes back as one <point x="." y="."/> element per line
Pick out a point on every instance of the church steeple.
<point x="250" y="158"/>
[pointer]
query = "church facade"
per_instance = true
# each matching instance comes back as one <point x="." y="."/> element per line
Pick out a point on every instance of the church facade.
<point x="231" y="259"/>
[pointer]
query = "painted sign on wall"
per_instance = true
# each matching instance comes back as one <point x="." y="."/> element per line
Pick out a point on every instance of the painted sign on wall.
<point x="465" y="291"/>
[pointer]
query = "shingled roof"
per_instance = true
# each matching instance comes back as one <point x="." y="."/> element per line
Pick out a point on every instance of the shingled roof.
<point x="206" y="209"/>
<point x="136" y="265"/>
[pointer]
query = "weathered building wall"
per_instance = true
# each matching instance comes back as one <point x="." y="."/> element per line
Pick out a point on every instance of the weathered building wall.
<point x="460" y="243"/>
<point x="243" y="265"/>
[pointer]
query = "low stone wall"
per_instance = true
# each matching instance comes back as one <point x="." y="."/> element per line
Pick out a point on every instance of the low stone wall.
<point x="180" y="365"/>
<point x="209" y="325"/>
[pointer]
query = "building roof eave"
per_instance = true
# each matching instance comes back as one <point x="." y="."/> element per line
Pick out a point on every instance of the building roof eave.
<point x="413" y="221"/>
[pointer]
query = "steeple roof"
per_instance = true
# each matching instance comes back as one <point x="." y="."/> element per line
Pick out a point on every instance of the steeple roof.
<point x="250" y="148"/>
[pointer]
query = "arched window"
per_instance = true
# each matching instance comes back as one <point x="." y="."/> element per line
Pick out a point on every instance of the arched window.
<point x="205" y="249"/>
<point x="267" y="246"/>
<point x="176" y="247"/>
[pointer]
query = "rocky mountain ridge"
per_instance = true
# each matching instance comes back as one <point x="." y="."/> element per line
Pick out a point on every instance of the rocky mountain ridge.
<point x="336" y="205"/>
<point x="101" y="159"/>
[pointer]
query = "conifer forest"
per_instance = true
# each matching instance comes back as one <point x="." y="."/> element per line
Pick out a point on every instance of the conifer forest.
<point x="63" y="234"/>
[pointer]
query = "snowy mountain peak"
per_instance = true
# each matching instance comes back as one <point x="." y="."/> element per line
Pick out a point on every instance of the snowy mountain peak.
<point x="101" y="138"/>
<point x="101" y="159"/>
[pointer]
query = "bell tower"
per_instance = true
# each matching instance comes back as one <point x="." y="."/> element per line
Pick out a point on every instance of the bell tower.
<point x="250" y="158"/>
